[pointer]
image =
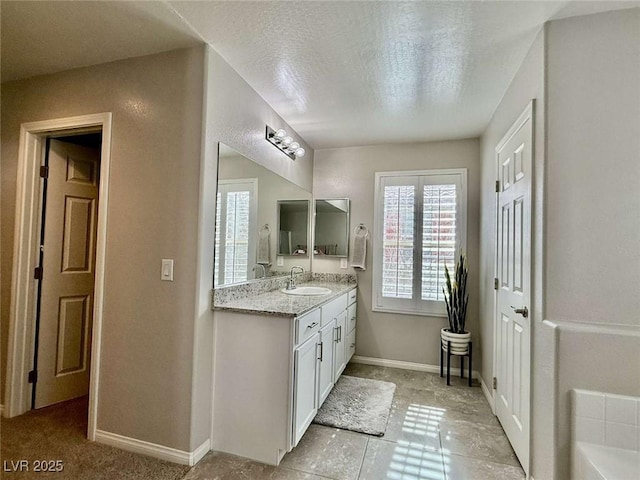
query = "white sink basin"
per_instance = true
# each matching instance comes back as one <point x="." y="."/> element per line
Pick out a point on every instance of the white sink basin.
<point x="306" y="291"/>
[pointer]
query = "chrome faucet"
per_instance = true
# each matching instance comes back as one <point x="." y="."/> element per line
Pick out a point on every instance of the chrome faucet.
<point x="264" y="270"/>
<point x="291" y="284"/>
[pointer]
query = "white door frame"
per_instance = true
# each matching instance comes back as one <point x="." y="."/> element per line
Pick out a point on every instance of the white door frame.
<point x="26" y="253"/>
<point x="527" y="114"/>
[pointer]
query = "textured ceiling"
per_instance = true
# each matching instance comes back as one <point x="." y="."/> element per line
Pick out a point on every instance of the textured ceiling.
<point x="340" y="73"/>
<point x="360" y="73"/>
<point x="46" y="37"/>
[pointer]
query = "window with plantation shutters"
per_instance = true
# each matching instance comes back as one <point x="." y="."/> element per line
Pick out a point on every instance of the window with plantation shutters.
<point x="235" y="239"/>
<point x="420" y="220"/>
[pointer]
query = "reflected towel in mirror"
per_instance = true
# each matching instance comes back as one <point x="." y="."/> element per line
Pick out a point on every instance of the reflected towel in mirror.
<point x="264" y="247"/>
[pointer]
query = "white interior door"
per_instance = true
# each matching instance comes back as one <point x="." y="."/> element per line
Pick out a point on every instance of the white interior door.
<point x="66" y="312"/>
<point x="514" y="155"/>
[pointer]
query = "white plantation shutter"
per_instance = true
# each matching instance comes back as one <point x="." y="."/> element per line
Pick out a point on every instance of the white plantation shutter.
<point x="420" y="228"/>
<point x="398" y="237"/>
<point x="438" y="238"/>
<point x="236" y="245"/>
<point x="235" y="239"/>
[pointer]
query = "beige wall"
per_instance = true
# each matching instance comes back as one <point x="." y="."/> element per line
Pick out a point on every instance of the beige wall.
<point x="593" y="169"/>
<point x="349" y="173"/>
<point x="592" y="260"/>
<point x="146" y="368"/>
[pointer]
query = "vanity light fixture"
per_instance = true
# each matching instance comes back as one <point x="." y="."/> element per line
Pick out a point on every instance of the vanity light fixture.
<point x="284" y="143"/>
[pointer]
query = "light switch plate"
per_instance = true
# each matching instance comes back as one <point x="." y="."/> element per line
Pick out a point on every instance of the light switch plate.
<point x="280" y="261"/>
<point x="343" y="263"/>
<point x="166" y="273"/>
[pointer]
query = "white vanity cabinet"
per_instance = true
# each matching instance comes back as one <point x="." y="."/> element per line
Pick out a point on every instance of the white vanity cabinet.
<point x="326" y="373"/>
<point x="350" y="344"/>
<point x="305" y="398"/>
<point x="340" y="355"/>
<point x="273" y="372"/>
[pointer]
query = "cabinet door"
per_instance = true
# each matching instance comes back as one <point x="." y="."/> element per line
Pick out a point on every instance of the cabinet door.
<point x="351" y="344"/>
<point x="351" y="317"/>
<point x="304" y="386"/>
<point x="327" y="336"/>
<point x="340" y="353"/>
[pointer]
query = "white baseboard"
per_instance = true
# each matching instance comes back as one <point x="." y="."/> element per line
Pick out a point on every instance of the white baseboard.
<point x="383" y="362"/>
<point x="488" y="393"/>
<point x="200" y="452"/>
<point x="152" y="449"/>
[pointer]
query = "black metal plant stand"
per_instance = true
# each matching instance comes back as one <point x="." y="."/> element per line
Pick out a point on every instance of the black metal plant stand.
<point x="468" y="354"/>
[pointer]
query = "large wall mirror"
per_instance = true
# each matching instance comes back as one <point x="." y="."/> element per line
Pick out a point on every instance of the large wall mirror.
<point x="332" y="228"/>
<point x="247" y="220"/>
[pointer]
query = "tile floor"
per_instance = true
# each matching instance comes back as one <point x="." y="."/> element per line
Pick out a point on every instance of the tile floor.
<point x="434" y="432"/>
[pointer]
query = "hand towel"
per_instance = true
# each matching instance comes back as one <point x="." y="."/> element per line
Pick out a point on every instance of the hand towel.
<point x="285" y="247"/>
<point x="264" y="247"/>
<point x="359" y="259"/>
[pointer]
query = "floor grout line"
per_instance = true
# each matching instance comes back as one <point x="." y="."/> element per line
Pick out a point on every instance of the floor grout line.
<point x="364" y="455"/>
<point x="444" y="466"/>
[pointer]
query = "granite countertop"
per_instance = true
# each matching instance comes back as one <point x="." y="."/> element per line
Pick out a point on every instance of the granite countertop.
<point x="277" y="303"/>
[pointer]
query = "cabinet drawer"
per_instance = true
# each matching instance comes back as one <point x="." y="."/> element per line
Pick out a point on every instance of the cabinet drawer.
<point x="307" y="325"/>
<point x="351" y="317"/>
<point x="351" y="344"/>
<point x="352" y="296"/>
<point x="332" y="309"/>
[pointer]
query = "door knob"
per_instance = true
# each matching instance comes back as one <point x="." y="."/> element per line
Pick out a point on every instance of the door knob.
<point x="524" y="311"/>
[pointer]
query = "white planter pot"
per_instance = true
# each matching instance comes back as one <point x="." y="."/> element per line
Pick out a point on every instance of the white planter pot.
<point x="459" y="341"/>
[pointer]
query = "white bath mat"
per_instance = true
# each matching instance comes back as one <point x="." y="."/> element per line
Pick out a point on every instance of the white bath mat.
<point x="358" y="404"/>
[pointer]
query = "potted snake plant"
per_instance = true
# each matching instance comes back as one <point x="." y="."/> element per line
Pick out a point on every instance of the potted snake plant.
<point x="456" y="299"/>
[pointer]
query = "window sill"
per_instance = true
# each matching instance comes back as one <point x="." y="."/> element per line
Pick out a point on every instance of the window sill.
<point x="409" y="312"/>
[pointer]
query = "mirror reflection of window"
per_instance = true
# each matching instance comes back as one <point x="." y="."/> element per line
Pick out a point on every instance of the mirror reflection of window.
<point x="236" y="233"/>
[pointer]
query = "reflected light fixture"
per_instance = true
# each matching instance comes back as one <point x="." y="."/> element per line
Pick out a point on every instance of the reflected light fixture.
<point x="280" y="139"/>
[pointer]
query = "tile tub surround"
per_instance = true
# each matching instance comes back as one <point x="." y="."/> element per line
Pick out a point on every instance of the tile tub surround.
<point x="605" y="435"/>
<point x="264" y="297"/>
<point x="606" y="419"/>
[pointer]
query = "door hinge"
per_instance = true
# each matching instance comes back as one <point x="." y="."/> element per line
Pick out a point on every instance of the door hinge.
<point x="44" y="171"/>
<point x="496" y="284"/>
<point x="37" y="273"/>
<point x="33" y="376"/>
<point x="497" y="186"/>
<point x="495" y="383"/>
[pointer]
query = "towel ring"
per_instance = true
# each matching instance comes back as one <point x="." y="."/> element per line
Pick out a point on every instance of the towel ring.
<point x="360" y="228"/>
<point x="266" y="228"/>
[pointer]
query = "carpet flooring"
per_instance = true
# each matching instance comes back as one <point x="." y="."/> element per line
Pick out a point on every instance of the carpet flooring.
<point x="358" y="404"/>
<point x="59" y="433"/>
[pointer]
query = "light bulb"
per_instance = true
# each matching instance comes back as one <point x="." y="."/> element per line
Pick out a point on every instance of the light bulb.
<point x="280" y="134"/>
<point x="286" y="141"/>
<point x="299" y="152"/>
<point x="294" y="146"/>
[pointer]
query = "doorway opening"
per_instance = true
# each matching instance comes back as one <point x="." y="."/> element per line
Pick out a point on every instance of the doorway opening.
<point x="66" y="269"/>
<point x="58" y="266"/>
